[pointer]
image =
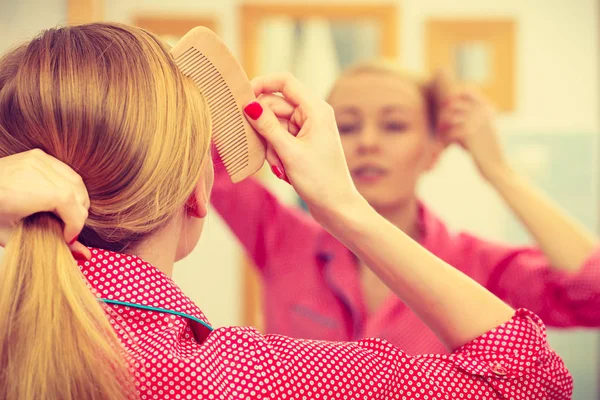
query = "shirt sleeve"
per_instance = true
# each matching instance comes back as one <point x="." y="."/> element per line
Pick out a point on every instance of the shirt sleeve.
<point x="524" y="277"/>
<point x="258" y="219"/>
<point x="512" y="361"/>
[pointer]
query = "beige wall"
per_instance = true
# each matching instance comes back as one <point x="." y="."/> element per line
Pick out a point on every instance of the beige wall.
<point x="557" y="79"/>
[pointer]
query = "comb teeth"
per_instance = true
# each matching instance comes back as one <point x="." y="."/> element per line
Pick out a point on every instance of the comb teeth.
<point x="227" y="122"/>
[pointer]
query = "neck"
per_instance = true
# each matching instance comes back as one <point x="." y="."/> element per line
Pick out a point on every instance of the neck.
<point x="404" y="216"/>
<point x="157" y="256"/>
<point x="160" y="249"/>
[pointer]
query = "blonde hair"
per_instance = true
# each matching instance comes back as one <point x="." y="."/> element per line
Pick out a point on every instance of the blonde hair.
<point x="108" y="100"/>
<point x="426" y="86"/>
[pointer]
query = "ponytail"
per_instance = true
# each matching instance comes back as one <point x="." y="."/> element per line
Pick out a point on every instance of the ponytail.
<point x="55" y="339"/>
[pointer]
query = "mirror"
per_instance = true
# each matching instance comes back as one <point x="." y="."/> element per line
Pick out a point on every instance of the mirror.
<point x="549" y="121"/>
<point x="314" y="42"/>
<point x="171" y="29"/>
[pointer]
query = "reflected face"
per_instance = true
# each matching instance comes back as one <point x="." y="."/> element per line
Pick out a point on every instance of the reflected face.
<point x="385" y="132"/>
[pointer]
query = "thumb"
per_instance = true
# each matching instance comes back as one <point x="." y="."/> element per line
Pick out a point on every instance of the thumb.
<point x="444" y="86"/>
<point x="264" y="121"/>
<point x="80" y="252"/>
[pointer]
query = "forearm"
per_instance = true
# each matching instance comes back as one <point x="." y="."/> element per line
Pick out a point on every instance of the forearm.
<point x="565" y="242"/>
<point x="454" y="306"/>
<point x="249" y="210"/>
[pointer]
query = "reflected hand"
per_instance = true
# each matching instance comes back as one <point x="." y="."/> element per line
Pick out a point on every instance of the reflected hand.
<point x="467" y="118"/>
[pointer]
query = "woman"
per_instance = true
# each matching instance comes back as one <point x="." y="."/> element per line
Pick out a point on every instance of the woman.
<point x="393" y="131"/>
<point x="109" y="103"/>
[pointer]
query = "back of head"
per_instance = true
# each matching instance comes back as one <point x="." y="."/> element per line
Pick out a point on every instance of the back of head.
<point x="427" y="87"/>
<point x="107" y="100"/>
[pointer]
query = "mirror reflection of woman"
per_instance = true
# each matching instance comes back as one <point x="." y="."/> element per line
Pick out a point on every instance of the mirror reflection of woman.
<point x="393" y="129"/>
<point x="99" y="118"/>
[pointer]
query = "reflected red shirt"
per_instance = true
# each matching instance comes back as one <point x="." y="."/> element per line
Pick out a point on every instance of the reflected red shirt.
<point x="312" y="288"/>
<point x="175" y="355"/>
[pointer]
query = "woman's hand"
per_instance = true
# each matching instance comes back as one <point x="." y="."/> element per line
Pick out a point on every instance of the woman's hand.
<point x="308" y="145"/>
<point x="302" y="134"/>
<point x="467" y="118"/>
<point x="35" y="182"/>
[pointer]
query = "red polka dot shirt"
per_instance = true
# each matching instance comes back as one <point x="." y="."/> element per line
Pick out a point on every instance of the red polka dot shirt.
<point x="175" y="354"/>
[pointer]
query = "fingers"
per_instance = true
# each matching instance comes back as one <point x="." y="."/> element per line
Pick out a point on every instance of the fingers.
<point x="289" y="116"/>
<point x="286" y="84"/>
<point x="282" y="111"/>
<point x="465" y="96"/>
<point x="69" y="174"/>
<point x="266" y="123"/>
<point x="306" y="104"/>
<point x="459" y="101"/>
<point x="80" y="252"/>
<point x="68" y="201"/>
<point x="453" y="113"/>
<point x="58" y="189"/>
<point x="71" y="202"/>
<point x="276" y="165"/>
<point x="72" y="214"/>
<point x="272" y="158"/>
<point x="449" y="119"/>
<point x="44" y="163"/>
<point x="282" y="108"/>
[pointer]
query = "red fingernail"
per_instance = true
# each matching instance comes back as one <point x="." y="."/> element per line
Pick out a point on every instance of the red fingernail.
<point x="78" y="256"/>
<point x="277" y="171"/>
<point x="73" y="240"/>
<point x="285" y="178"/>
<point x="254" y="110"/>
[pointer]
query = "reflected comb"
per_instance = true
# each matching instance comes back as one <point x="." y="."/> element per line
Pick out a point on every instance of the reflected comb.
<point x="202" y="56"/>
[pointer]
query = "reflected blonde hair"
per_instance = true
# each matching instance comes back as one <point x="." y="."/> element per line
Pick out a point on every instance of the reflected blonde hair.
<point x="426" y="86"/>
<point x="107" y="100"/>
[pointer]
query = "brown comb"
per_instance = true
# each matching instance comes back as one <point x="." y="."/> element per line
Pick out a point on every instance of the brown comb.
<point x="202" y="56"/>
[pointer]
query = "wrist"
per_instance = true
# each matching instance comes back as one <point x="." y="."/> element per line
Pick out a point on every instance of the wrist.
<point x="500" y="175"/>
<point x="343" y="215"/>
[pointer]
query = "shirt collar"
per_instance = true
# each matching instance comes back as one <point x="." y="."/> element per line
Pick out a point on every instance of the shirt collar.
<point x="433" y="230"/>
<point x="341" y="272"/>
<point x="127" y="280"/>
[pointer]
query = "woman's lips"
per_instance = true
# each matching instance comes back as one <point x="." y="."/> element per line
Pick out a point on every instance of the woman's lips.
<point x="368" y="173"/>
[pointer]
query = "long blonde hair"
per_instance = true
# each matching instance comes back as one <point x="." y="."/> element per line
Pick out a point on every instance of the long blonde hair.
<point x="108" y="100"/>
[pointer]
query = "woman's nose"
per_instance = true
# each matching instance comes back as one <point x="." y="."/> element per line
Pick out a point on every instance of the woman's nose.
<point x="369" y="141"/>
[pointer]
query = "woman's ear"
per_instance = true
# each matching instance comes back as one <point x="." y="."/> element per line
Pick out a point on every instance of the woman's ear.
<point x="195" y="207"/>
<point x="197" y="204"/>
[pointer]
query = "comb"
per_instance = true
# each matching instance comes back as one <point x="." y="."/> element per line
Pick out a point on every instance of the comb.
<point x="202" y="56"/>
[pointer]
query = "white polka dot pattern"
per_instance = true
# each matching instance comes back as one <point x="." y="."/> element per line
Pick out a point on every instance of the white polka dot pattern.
<point x="512" y="361"/>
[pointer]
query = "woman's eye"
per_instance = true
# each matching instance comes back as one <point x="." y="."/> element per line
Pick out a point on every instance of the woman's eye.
<point x="347" y="128"/>
<point x="395" y="126"/>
